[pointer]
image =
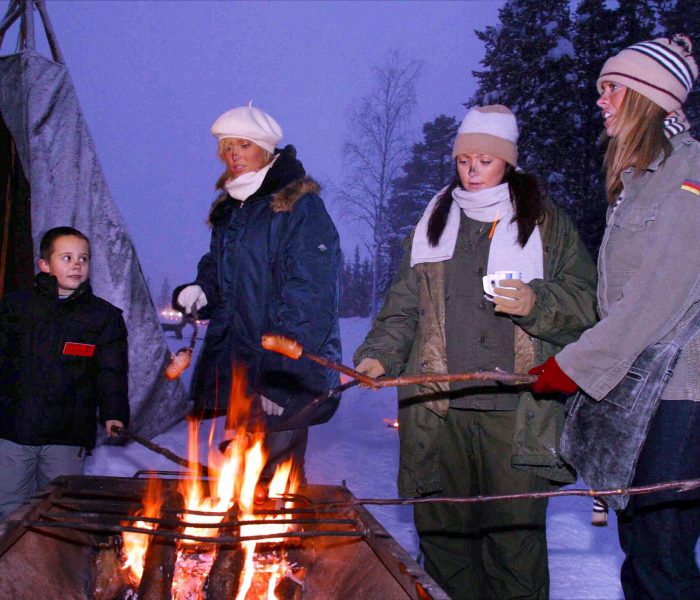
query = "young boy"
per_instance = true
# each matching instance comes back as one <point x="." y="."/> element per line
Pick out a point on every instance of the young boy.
<point x="63" y="359"/>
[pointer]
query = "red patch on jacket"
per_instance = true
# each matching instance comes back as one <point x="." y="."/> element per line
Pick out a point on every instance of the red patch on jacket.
<point x="76" y="349"/>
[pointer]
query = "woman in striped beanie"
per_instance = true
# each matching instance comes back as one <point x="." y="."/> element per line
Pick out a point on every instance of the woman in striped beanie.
<point x="648" y="293"/>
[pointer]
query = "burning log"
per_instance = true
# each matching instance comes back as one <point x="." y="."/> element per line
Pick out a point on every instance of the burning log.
<point x="288" y="589"/>
<point x="225" y="576"/>
<point x="111" y="579"/>
<point x="157" y="579"/>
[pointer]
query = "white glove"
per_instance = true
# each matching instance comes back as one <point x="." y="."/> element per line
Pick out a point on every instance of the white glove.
<point x="192" y="297"/>
<point x="270" y="407"/>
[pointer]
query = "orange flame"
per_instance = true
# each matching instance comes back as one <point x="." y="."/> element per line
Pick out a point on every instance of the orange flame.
<point x="238" y="473"/>
<point x="136" y="544"/>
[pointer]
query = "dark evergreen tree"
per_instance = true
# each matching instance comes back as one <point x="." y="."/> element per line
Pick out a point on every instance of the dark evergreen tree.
<point x="344" y="288"/>
<point x="636" y="20"/>
<point x="355" y="286"/>
<point x="594" y="34"/>
<point x="429" y="168"/>
<point x="683" y="16"/>
<point x="544" y="67"/>
<point x="164" y="294"/>
<point x="529" y="64"/>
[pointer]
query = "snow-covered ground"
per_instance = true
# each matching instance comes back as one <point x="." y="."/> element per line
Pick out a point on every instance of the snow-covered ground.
<point x="358" y="448"/>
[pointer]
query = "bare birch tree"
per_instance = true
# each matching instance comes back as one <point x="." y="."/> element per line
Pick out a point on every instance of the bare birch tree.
<point x="378" y="146"/>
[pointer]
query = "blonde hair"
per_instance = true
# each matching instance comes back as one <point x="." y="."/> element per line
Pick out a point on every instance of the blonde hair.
<point x="226" y="175"/>
<point x="639" y="140"/>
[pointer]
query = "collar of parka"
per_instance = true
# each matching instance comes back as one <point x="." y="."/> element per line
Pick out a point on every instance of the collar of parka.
<point x="286" y="182"/>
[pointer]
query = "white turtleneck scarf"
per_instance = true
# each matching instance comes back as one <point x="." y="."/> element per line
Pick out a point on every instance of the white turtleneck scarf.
<point x="489" y="205"/>
<point x="247" y="184"/>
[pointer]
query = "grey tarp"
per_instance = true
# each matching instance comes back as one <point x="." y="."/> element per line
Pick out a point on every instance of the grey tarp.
<point x="39" y="106"/>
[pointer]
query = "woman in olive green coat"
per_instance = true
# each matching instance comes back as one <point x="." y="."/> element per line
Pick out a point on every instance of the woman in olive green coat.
<point x="471" y="438"/>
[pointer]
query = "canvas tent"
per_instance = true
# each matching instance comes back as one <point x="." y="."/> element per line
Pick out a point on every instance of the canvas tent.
<point x="50" y="175"/>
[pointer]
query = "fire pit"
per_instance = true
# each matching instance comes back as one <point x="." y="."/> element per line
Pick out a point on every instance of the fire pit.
<point x="68" y="542"/>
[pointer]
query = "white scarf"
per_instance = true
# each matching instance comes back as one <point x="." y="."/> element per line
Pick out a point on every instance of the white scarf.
<point x="247" y="184"/>
<point x="489" y="205"/>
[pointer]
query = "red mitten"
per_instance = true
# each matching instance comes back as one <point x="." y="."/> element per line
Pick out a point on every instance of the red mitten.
<point x="552" y="379"/>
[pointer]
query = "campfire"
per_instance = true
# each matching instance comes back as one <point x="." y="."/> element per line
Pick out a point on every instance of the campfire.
<point x="231" y="536"/>
<point x="223" y="534"/>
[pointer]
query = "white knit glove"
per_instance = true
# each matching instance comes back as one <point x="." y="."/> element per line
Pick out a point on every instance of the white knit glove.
<point x="270" y="407"/>
<point x="192" y="297"/>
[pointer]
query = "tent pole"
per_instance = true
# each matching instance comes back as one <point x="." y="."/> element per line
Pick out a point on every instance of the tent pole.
<point x="13" y="12"/>
<point x="50" y="35"/>
<point x="6" y="220"/>
<point x="28" y="18"/>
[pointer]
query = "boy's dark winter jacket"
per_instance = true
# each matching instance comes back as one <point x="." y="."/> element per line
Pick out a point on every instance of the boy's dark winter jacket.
<point x="272" y="267"/>
<point x="49" y="393"/>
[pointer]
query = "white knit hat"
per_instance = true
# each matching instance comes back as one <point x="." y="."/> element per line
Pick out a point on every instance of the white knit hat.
<point x="490" y="130"/>
<point x="663" y="70"/>
<point x="250" y="123"/>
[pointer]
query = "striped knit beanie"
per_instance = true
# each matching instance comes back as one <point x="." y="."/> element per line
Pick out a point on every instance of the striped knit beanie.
<point x="490" y="130"/>
<point x="663" y="70"/>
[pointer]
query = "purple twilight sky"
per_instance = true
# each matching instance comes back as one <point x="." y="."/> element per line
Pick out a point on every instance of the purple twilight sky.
<point x="152" y="76"/>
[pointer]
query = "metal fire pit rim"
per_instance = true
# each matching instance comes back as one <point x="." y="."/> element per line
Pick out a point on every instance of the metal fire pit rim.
<point x="407" y="572"/>
<point x="400" y="565"/>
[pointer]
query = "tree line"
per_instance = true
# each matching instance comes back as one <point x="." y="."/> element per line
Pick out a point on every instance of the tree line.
<point x="541" y="60"/>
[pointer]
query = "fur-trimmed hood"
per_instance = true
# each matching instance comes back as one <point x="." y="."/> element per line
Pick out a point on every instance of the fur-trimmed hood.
<point x="286" y="182"/>
<point x="284" y="200"/>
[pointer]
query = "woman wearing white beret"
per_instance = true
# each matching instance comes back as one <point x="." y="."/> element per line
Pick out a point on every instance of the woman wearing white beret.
<point x="272" y="266"/>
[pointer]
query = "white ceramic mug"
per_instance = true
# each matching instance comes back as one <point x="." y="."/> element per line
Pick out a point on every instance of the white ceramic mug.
<point x="491" y="280"/>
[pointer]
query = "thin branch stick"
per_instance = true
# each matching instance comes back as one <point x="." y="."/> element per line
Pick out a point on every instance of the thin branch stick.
<point x="500" y="376"/>
<point x="296" y="420"/>
<point x="684" y="485"/>
<point x="293" y="349"/>
<point x="329" y="364"/>
<point x="183" y="462"/>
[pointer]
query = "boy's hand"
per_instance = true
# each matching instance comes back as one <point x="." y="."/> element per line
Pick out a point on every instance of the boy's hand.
<point x="113" y="423"/>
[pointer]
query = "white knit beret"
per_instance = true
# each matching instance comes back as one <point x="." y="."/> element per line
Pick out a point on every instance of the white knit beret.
<point x="250" y="123"/>
<point x="663" y="70"/>
<point x="490" y="130"/>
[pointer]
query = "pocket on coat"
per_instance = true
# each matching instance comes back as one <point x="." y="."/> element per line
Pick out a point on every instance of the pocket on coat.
<point x="625" y="394"/>
<point x="635" y="218"/>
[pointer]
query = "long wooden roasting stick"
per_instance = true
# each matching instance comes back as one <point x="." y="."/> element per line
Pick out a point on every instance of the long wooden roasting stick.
<point x="299" y="418"/>
<point x="683" y="485"/>
<point x="293" y="349"/>
<point x="183" y="462"/>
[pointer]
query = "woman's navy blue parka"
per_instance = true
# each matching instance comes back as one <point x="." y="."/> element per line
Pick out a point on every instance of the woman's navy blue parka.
<point x="272" y="267"/>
